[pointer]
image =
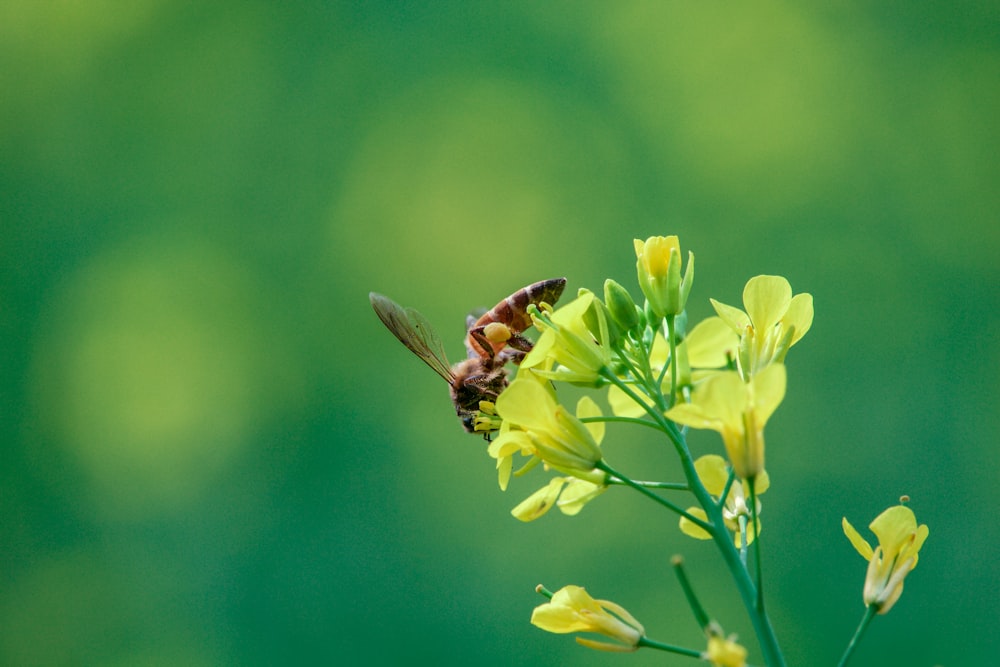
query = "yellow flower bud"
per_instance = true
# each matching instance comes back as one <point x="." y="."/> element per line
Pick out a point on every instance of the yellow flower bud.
<point x="658" y="265"/>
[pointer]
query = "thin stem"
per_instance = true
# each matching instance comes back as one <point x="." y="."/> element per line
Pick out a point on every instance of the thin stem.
<point x="752" y="483"/>
<point x="601" y="465"/>
<point x="742" y="520"/>
<point x="729" y="485"/>
<point x="761" y="623"/>
<point x="673" y="360"/>
<point x="629" y="420"/>
<point x="652" y="643"/>
<point x="693" y="601"/>
<point x="866" y="620"/>
<point x="652" y="386"/>
<point x="662" y="423"/>
<point x="671" y="486"/>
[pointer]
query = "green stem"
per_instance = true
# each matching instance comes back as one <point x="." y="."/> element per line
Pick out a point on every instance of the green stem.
<point x="601" y="465"/>
<point x="748" y="593"/>
<point x="866" y="620"/>
<point x="651" y="384"/>
<point x="742" y="520"/>
<point x="651" y="643"/>
<point x="717" y="529"/>
<point x="672" y="486"/>
<point x="756" y="542"/>
<point x="693" y="601"/>
<point x="628" y="420"/>
<point x="673" y="360"/>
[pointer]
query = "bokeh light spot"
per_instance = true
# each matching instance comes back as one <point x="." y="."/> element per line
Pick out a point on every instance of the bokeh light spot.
<point x="151" y="372"/>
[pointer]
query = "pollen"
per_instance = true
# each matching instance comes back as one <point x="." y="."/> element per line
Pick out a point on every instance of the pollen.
<point x="497" y="332"/>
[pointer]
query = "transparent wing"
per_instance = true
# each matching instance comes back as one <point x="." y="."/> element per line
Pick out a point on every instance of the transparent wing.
<point x="414" y="331"/>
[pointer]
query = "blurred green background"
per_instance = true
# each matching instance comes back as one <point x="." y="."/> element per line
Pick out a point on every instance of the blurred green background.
<point x="214" y="454"/>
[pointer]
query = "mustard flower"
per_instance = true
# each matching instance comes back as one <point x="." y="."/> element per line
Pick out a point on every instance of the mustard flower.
<point x="714" y="473"/>
<point x="534" y="424"/>
<point x="580" y="355"/>
<point x="900" y="540"/>
<point x="725" y="652"/>
<point x="658" y="264"/>
<point x="738" y="411"/>
<point x="571" y="609"/>
<point x="773" y="322"/>
<point x="569" y="494"/>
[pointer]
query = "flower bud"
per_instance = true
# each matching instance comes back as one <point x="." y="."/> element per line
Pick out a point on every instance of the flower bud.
<point x="658" y="265"/>
<point x="620" y="305"/>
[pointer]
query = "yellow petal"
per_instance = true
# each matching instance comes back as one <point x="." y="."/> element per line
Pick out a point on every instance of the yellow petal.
<point x="539" y="502"/>
<point x="799" y="315"/>
<point x="694" y="416"/>
<point x="711" y="343"/>
<point x="660" y="352"/>
<point x="766" y="299"/>
<point x="576" y="494"/>
<point x="769" y="391"/>
<point x="761" y="484"/>
<point x="692" y="529"/>
<point x="725" y="652"/>
<point x="605" y="646"/>
<point x="504" y="466"/>
<point x="859" y="542"/>
<point x="541" y="350"/>
<point x="525" y="403"/>
<point x="894" y="528"/>
<point x="724" y="397"/>
<point x="586" y="407"/>
<point x="622" y="613"/>
<point x="623" y="405"/>
<point x="713" y="473"/>
<point x="737" y="320"/>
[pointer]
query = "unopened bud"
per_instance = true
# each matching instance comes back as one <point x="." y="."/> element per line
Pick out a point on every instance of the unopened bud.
<point x="620" y="305"/>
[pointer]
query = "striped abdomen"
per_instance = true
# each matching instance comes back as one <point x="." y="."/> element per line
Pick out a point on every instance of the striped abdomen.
<point x="513" y="311"/>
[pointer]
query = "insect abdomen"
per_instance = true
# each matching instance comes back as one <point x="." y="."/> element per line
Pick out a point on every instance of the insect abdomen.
<point x="513" y="311"/>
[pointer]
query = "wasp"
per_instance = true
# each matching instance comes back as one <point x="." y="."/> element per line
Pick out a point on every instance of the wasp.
<point x="492" y="340"/>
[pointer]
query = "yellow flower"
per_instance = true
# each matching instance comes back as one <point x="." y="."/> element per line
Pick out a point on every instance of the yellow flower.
<point x="569" y="494"/>
<point x="568" y="342"/>
<point x="899" y="541"/>
<point x="571" y="609"/>
<point x="714" y="473"/>
<point x="725" y="652"/>
<point x="658" y="264"/>
<point x="738" y="411"/>
<point x="774" y="321"/>
<point x="546" y="430"/>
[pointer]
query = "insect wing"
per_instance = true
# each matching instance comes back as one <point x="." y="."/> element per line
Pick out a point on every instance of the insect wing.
<point x="414" y="331"/>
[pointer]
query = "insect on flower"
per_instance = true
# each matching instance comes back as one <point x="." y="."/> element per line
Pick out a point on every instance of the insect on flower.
<point x="492" y="340"/>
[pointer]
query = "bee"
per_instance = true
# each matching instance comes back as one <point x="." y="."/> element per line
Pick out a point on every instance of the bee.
<point x="492" y="340"/>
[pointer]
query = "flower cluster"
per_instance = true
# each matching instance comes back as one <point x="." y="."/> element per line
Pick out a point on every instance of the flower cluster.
<point x="726" y="373"/>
